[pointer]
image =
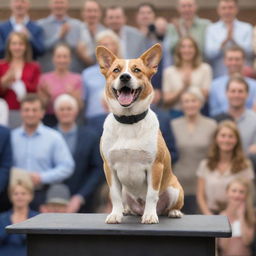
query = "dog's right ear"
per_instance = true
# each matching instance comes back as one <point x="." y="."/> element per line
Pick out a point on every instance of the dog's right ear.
<point x="105" y="59"/>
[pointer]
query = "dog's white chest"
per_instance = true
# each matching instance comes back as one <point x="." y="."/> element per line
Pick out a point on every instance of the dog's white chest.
<point x="131" y="149"/>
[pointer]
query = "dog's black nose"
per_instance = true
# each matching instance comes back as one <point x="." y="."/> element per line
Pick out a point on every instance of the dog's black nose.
<point x="125" y="78"/>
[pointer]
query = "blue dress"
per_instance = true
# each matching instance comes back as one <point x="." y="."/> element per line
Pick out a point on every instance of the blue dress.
<point x="12" y="244"/>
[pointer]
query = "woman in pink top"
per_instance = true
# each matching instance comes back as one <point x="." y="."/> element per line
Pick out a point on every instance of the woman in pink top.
<point x="240" y="213"/>
<point x="58" y="82"/>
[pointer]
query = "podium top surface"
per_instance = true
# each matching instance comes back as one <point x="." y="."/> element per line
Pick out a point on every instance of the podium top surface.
<point x="94" y="224"/>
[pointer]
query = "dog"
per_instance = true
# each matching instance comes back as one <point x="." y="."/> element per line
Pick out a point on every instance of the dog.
<point x="137" y="163"/>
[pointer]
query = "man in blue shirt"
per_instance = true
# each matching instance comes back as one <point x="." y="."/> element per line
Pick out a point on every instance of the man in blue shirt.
<point x="234" y="60"/>
<point x="40" y="150"/>
<point x="20" y="22"/>
<point x="226" y="32"/>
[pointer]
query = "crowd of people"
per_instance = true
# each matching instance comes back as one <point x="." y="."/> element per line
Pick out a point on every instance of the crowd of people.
<point x="52" y="110"/>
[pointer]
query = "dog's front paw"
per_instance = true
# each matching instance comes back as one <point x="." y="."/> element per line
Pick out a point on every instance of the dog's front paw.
<point x="149" y="219"/>
<point x="175" y="214"/>
<point x="114" y="218"/>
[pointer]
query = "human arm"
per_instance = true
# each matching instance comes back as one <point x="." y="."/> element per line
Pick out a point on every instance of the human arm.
<point x="62" y="161"/>
<point x="201" y="198"/>
<point x="173" y="88"/>
<point x="94" y="178"/>
<point x="207" y="80"/>
<point x="36" y="38"/>
<point x="5" y="158"/>
<point x="247" y="232"/>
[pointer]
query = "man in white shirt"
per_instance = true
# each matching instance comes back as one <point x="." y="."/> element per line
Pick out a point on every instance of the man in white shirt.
<point x="226" y="32"/>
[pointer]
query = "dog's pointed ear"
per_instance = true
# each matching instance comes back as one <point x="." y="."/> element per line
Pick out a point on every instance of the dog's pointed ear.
<point x="105" y="58"/>
<point x="152" y="57"/>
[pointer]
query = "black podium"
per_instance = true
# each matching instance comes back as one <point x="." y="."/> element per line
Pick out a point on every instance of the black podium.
<point x="88" y="235"/>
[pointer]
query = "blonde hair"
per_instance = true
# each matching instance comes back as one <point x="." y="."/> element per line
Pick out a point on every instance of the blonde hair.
<point x="26" y="184"/>
<point x="109" y="33"/>
<point x="28" y="52"/>
<point x="238" y="161"/>
<point x="196" y="61"/>
<point x="196" y="92"/>
<point x="249" y="210"/>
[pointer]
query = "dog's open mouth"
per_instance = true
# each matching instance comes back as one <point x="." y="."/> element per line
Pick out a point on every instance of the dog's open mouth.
<point x="126" y="96"/>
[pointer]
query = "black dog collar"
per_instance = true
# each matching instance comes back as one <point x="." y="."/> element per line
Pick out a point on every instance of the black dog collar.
<point x="131" y="119"/>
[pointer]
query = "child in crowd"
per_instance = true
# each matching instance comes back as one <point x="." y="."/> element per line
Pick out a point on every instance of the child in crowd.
<point x="240" y="213"/>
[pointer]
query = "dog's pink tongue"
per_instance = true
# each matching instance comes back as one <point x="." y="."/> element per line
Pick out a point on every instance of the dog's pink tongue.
<point x="125" y="98"/>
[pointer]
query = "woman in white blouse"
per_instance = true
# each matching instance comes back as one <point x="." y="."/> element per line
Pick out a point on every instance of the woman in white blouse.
<point x="188" y="71"/>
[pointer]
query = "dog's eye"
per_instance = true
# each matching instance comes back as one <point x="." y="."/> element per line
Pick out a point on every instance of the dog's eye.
<point x="136" y="70"/>
<point x="116" y="70"/>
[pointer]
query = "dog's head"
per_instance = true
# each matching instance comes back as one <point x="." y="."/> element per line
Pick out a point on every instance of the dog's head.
<point x="128" y="82"/>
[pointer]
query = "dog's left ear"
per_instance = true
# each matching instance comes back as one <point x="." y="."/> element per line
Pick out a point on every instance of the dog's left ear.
<point x="105" y="58"/>
<point x="152" y="57"/>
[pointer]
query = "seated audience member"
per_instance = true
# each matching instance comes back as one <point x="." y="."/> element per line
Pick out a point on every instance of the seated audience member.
<point x="21" y="194"/>
<point x="20" y="22"/>
<point x="193" y="134"/>
<point x="240" y="213"/>
<point x="237" y="91"/>
<point x="188" y="24"/>
<point x="83" y="143"/>
<point x="5" y="165"/>
<point x="40" y="150"/>
<point x="94" y="82"/>
<point x="188" y="71"/>
<point x="228" y="31"/>
<point x="91" y="26"/>
<point x="58" y="82"/>
<point x="18" y="75"/>
<point x="225" y="162"/>
<point x="4" y="113"/>
<point x="57" y="199"/>
<point x="132" y="41"/>
<point x="58" y="28"/>
<point x="234" y="59"/>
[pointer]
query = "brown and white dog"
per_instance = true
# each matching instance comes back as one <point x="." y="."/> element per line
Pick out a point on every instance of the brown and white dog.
<point x="137" y="163"/>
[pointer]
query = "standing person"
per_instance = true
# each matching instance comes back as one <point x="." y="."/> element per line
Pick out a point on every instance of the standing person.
<point x="237" y="91"/>
<point x="226" y="32"/>
<point x="188" y="71"/>
<point x="188" y="24"/>
<point x="132" y="41"/>
<point x="83" y="144"/>
<point x="5" y="165"/>
<point x="20" y="22"/>
<point x="225" y="162"/>
<point x="91" y="26"/>
<point x="145" y="19"/>
<point x="21" y="194"/>
<point x="193" y="135"/>
<point x="58" y="28"/>
<point x="40" y="150"/>
<point x="93" y="81"/>
<point x="234" y="59"/>
<point x="240" y="213"/>
<point x="18" y="75"/>
<point x="59" y="81"/>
